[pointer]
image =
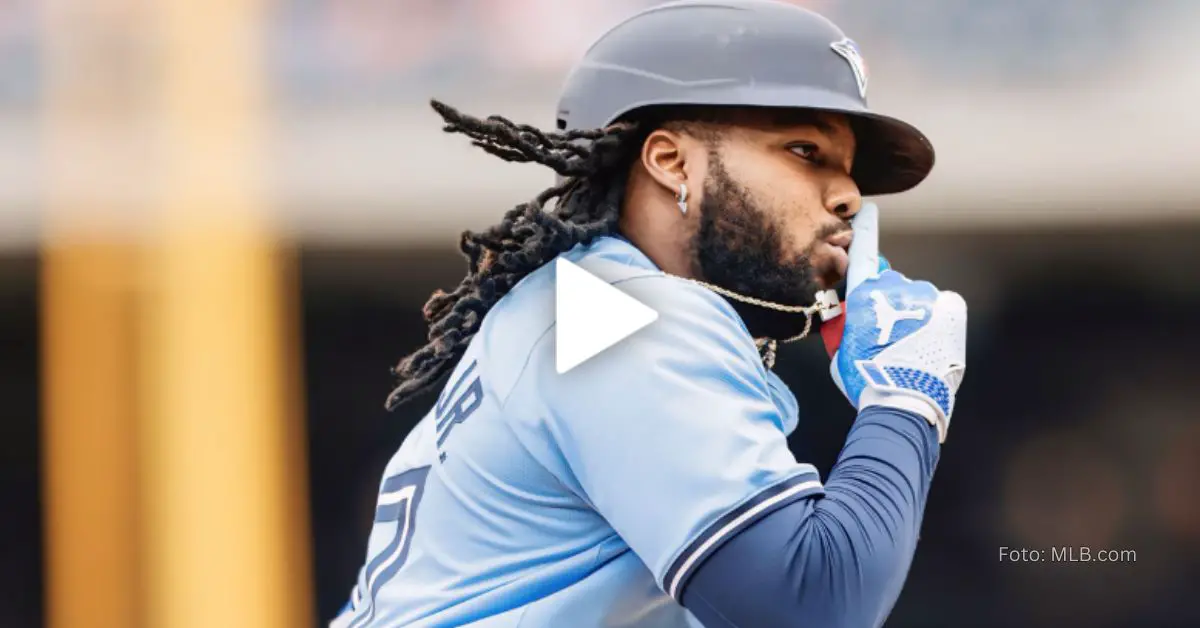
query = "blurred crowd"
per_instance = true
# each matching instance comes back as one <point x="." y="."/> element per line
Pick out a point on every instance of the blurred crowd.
<point x="18" y="50"/>
<point x="405" y="42"/>
<point x="321" y="47"/>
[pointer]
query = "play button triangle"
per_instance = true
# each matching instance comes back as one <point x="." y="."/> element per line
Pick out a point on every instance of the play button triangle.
<point x="591" y="315"/>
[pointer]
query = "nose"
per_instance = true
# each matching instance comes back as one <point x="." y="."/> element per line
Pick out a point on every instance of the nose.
<point x="842" y="199"/>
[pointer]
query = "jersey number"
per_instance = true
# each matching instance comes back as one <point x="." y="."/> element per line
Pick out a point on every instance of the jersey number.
<point x="398" y="501"/>
<point x="401" y="494"/>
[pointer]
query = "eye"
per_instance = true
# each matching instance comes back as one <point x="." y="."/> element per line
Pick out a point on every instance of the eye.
<point x="806" y="151"/>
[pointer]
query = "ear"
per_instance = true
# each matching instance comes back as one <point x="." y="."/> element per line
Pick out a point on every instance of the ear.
<point x="665" y="158"/>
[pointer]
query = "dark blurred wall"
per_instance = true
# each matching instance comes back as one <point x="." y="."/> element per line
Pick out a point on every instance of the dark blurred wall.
<point x="362" y="310"/>
<point x="20" y="504"/>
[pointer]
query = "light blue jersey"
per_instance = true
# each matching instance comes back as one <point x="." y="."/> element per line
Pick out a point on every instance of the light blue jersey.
<point x="528" y="498"/>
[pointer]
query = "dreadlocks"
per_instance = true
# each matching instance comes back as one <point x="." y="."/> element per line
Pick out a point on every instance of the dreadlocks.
<point x="595" y="167"/>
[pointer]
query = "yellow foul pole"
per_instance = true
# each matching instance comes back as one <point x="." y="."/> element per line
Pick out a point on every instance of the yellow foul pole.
<point x="174" y="467"/>
<point x="88" y="429"/>
<point x="222" y="477"/>
<point x="89" y="315"/>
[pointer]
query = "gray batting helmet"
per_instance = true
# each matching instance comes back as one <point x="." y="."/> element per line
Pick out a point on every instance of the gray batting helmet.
<point x="742" y="53"/>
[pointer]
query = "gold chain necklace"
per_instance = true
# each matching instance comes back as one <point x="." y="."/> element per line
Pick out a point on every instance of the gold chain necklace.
<point x="767" y="347"/>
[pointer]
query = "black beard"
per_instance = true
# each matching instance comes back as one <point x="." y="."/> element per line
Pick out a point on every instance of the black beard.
<point x="739" y="248"/>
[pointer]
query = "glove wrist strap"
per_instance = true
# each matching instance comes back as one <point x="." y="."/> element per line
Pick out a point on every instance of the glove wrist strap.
<point x="909" y="403"/>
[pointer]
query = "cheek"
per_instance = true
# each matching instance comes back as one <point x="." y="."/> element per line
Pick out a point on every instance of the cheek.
<point x="800" y="212"/>
<point x="781" y="190"/>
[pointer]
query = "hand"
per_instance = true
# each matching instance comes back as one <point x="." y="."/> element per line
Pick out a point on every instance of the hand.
<point x="904" y="342"/>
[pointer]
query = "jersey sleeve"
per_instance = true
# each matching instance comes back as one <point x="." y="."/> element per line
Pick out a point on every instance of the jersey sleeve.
<point x="676" y="436"/>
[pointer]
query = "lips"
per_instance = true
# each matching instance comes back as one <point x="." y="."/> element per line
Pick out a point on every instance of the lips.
<point x="842" y="239"/>
<point x="841" y="260"/>
<point x="839" y="247"/>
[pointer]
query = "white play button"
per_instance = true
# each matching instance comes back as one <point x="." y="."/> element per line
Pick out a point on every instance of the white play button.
<point x="591" y="315"/>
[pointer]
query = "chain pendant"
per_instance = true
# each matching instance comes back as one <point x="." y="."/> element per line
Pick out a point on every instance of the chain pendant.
<point x="766" y="350"/>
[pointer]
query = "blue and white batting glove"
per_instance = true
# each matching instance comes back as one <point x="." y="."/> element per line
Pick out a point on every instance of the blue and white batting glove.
<point x="905" y="342"/>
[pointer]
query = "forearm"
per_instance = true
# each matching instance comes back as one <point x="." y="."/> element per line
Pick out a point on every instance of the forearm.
<point x="845" y="555"/>
<point x="870" y="519"/>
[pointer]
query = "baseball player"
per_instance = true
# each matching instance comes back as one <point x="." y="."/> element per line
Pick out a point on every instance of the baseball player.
<point x="712" y="156"/>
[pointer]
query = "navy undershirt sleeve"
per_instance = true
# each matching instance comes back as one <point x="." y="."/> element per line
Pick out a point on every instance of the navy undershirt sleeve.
<point x="837" y="560"/>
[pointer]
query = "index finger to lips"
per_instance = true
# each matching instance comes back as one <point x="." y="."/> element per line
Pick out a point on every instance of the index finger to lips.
<point x="864" y="249"/>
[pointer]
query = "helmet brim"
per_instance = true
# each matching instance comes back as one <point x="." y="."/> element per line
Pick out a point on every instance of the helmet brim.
<point x="893" y="156"/>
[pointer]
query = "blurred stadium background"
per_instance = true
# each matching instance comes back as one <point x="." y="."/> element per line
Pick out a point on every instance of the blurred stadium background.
<point x="218" y="222"/>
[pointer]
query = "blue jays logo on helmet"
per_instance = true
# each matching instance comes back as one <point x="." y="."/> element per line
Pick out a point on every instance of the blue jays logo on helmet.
<point x="848" y="50"/>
